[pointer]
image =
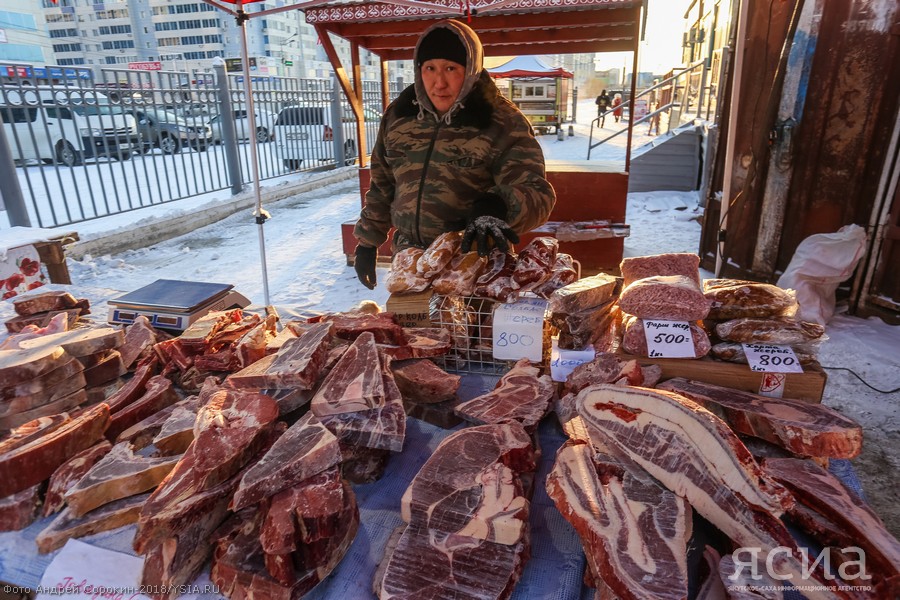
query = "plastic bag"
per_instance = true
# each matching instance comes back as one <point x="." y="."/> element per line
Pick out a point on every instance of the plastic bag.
<point x="820" y="263"/>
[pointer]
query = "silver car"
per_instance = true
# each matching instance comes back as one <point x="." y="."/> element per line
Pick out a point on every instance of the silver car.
<point x="262" y="130"/>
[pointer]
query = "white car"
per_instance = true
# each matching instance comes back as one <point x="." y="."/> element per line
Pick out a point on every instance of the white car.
<point x="262" y="131"/>
<point x="306" y="133"/>
<point x="65" y="126"/>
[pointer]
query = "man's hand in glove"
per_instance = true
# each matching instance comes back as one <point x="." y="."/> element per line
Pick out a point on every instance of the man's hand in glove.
<point x="488" y="221"/>
<point x="484" y="228"/>
<point x="365" y="265"/>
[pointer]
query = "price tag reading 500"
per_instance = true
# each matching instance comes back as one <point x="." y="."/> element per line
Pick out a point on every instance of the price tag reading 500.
<point x="669" y="339"/>
<point x="771" y="358"/>
<point x="519" y="330"/>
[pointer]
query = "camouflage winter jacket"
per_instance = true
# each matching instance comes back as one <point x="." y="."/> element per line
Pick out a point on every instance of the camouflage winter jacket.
<point x="426" y="172"/>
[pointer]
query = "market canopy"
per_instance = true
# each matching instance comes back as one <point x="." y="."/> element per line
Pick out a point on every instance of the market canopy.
<point x="524" y="67"/>
<point x="390" y="28"/>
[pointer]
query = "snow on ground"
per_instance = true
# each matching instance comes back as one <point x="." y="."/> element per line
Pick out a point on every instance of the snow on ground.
<point x="307" y="269"/>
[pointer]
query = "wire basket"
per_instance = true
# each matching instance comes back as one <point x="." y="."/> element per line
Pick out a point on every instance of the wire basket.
<point x="470" y="323"/>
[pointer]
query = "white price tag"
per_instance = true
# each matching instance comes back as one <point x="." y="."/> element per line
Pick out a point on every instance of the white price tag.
<point x="770" y="358"/>
<point x="563" y="362"/>
<point x="519" y="330"/>
<point x="74" y="574"/>
<point x="669" y="339"/>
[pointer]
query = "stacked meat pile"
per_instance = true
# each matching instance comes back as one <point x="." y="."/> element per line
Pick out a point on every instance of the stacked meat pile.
<point x="638" y="461"/>
<point x="51" y="370"/>
<point x="502" y="277"/>
<point x="745" y="312"/>
<point x="584" y="312"/>
<point x="36" y="310"/>
<point x="662" y="287"/>
<point x="466" y="533"/>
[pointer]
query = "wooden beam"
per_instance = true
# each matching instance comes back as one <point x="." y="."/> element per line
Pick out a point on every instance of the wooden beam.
<point x="536" y="48"/>
<point x="517" y="36"/>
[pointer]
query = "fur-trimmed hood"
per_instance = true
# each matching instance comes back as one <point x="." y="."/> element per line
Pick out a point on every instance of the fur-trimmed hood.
<point x="474" y="67"/>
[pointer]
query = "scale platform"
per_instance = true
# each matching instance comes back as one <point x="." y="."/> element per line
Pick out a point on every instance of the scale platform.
<point x="174" y="304"/>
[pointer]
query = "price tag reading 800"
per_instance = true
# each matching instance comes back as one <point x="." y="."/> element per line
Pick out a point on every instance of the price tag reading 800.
<point x="771" y="358"/>
<point x="669" y="339"/>
<point x="519" y="330"/>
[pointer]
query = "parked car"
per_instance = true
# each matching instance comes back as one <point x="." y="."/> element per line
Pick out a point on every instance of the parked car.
<point x="306" y="133"/>
<point x="65" y="126"/>
<point x="262" y="131"/>
<point x="167" y="131"/>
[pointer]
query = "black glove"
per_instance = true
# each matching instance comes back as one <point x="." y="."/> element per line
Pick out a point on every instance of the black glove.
<point x="365" y="265"/>
<point x="488" y="222"/>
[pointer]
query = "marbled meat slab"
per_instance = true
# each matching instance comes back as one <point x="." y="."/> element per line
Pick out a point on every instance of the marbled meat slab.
<point x="111" y="516"/>
<point x="63" y="404"/>
<point x="158" y="394"/>
<point x="306" y="448"/>
<point x="381" y="427"/>
<point x="117" y="475"/>
<point x="28" y="432"/>
<point x="69" y="473"/>
<point x="79" y="342"/>
<point x="801" y="427"/>
<point x="429" y="564"/>
<point x="32" y="463"/>
<point x="420" y="342"/>
<point x="470" y="486"/>
<point x="66" y="369"/>
<point x="383" y="327"/>
<point x="694" y="454"/>
<point x="43" y="302"/>
<point x="297" y="364"/>
<point x="423" y="382"/>
<point x="139" y="339"/>
<point x="23" y="365"/>
<point x="49" y="395"/>
<point x="633" y="530"/>
<point x="520" y="396"/>
<point x="354" y="383"/>
<point x="20" y="510"/>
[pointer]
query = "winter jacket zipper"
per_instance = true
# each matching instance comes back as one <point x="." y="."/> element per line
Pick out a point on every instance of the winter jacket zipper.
<point x="427" y="162"/>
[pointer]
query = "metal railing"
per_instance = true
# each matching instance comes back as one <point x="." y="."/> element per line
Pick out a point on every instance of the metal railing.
<point x="682" y="98"/>
<point x="94" y="149"/>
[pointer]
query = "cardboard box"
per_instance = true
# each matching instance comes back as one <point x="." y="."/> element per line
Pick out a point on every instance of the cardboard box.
<point x="808" y="386"/>
<point x="412" y="310"/>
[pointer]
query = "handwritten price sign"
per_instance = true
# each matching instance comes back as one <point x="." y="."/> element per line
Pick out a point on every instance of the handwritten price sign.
<point x="669" y="339"/>
<point x="770" y="358"/>
<point x="519" y="330"/>
<point x="563" y="362"/>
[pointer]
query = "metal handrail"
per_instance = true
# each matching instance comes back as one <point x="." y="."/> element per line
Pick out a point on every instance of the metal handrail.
<point x="684" y="72"/>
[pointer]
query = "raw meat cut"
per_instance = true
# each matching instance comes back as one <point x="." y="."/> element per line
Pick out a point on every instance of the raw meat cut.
<point x="821" y="491"/>
<point x="354" y="383"/>
<point x="470" y="486"/>
<point x="459" y="278"/>
<point x="430" y="564"/>
<point x="439" y="254"/>
<point x="521" y="396"/>
<point x="158" y="394"/>
<point x="43" y="302"/>
<point x="734" y="299"/>
<point x="68" y="368"/>
<point x="26" y="402"/>
<point x="776" y="330"/>
<point x="69" y="473"/>
<point x="383" y="326"/>
<point x="141" y="434"/>
<point x="117" y="475"/>
<point x="66" y="403"/>
<point x="634" y="531"/>
<point x="177" y="433"/>
<point x="79" y="342"/>
<point x="381" y="425"/>
<point x="403" y="277"/>
<point x="671" y="298"/>
<point x="362" y="465"/>
<point x="535" y="263"/>
<point x="132" y="390"/>
<point x="31" y="431"/>
<point x="33" y="462"/>
<point x="605" y="368"/>
<point x="42" y="320"/>
<point x="496" y="282"/>
<point x="694" y="454"/>
<point x="584" y="294"/>
<point x="139" y="340"/>
<point x="108" y="367"/>
<point x="23" y="365"/>
<point x="801" y="427"/>
<point x="563" y="274"/>
<point x="421" y="381"/>
<point x="20" y="510"/>
<point x="296" y="365"/>
<point x="679" y="263"/>
<point x="420" y="342"/>
<point x="111" y="516"/>
<point x="305" y="449"/>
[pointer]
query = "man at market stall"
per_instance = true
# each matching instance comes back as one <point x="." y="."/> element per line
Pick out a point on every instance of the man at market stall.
<point x="452" y="154"/>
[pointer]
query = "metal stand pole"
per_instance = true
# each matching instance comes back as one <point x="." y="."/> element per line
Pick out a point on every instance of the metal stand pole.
<point x="260" y="214"/>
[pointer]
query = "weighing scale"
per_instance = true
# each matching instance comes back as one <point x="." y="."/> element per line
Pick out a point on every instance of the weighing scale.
<point x="173" y="304"/>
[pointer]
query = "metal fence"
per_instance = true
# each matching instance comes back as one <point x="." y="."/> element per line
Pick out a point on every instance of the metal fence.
<point x="138" y="139"/>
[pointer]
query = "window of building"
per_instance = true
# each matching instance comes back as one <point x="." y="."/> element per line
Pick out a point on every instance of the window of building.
<point x="67" y="48"/>
<point x="60" y="33"/>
